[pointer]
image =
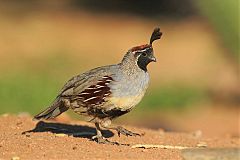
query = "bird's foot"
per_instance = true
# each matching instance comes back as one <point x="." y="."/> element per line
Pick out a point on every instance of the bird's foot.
<point x="126" y="132"/>
<point x="102" y="140"/>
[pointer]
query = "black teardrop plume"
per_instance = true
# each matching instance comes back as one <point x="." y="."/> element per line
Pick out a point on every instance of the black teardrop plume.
<point x="155" y="35"/>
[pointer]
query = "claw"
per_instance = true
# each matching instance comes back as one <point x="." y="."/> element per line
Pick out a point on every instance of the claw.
<point x="102" y="140"/>
<point x="126" y="132"/>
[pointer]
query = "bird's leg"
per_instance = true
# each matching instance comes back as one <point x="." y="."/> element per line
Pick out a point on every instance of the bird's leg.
<point x="125" y="132"/>
<point x="99" y="138"/>
<point x="120" y="130"/>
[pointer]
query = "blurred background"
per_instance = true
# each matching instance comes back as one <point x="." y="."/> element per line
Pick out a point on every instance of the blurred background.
<point x="194" y="85"/>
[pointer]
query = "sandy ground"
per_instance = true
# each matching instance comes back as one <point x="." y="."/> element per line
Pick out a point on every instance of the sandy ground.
<point x="58" y="140"/>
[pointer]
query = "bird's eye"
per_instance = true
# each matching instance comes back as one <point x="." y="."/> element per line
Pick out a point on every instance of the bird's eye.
<point x="144" y="54"/>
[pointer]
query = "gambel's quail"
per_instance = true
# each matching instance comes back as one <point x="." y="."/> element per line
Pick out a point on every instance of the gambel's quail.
<point x="107" y="92"/>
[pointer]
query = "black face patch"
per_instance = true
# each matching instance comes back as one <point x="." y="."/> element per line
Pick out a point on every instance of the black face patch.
<point x="143" y="61"/>
<point x="144" y="58"/>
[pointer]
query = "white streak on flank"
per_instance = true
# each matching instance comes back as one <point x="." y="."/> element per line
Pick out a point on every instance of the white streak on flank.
<point x="84" y="93"/>
<point x="89" y="99"/>
<point x="97" y="91"/>
<point x="105" y="77"/>
<point x="98" y="86"/>
<point x="108" y="80"/>
<point x="90" y="88"/>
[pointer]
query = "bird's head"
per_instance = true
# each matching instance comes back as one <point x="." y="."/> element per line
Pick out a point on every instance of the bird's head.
<point x="142" y="55"/>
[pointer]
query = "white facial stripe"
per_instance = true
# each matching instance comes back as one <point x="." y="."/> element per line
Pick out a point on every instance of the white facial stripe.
<point x="143" y="50"/>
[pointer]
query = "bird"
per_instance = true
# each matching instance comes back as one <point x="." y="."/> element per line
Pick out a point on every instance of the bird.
<point x="108" y="92"/>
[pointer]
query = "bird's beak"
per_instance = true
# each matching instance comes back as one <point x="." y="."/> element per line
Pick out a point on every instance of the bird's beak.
<point x="153" y="59"/>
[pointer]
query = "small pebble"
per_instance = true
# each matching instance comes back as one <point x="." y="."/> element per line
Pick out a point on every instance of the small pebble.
<point x="74" y="148"/>
<point x="27" y="135"/>
<point x="60" y="135"/>
<point x="202" y="144"/>
<point x="19" y="123"/>
<point x="15" y="158"/>
<point x="197" y="134"/>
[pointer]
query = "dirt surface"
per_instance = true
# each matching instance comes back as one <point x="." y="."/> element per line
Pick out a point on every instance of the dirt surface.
<point x="72" y="140"/>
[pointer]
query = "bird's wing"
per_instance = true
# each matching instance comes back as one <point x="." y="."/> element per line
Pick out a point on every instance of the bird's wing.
<point x="90" y="88"/>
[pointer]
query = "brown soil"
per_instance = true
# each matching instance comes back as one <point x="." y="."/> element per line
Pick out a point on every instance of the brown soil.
<point x="55" y="140"/>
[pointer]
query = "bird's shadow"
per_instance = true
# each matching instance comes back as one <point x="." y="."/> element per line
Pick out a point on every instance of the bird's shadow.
<point x="68" y="129"/>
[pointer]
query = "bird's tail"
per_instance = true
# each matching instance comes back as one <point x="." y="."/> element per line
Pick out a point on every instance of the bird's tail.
<point x="53" y="111"/>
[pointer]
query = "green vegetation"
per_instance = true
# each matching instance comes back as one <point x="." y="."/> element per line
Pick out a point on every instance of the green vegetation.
<point x="224" y="15"/>
<point x="32" y="93"/>
<point x="24" y="93"/>
<point x="174" y="97"/>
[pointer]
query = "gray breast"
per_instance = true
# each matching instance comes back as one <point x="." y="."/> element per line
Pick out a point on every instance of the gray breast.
<point x="127" y="92"/>
<point x="130" y="85"/>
